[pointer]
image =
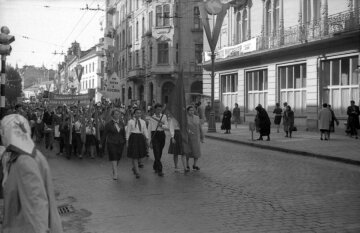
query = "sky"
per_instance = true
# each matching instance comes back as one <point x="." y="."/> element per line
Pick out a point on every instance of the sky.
<point x="42" y="27"/>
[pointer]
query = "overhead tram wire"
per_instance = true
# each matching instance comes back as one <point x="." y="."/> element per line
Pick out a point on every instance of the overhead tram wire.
<point x="77" y="23"/>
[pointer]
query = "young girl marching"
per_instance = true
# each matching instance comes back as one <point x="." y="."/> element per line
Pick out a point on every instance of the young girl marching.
<point x="91" y="138"/>
<point x="137" y="140"/>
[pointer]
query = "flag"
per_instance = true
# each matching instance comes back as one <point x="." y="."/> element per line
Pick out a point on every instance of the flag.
<point x="177" y="108"/>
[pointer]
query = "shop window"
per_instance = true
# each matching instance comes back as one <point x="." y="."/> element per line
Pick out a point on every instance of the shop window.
<point x="163" y="53"/>
<point x="257" y="89"/>
<point x="292" y="81"/>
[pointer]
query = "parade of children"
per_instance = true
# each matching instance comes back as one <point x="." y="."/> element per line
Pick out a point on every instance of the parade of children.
<point x="110" y="130"/>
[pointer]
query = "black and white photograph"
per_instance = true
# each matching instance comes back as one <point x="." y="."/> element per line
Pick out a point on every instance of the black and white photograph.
<point x="179" y="116"/>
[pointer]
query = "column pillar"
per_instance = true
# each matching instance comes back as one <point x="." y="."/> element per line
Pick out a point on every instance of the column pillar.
<point x="248" y="26"/>
<point x="324" y="17"/>
<point x="281" y="22"/>
<point x="263" y="26"/>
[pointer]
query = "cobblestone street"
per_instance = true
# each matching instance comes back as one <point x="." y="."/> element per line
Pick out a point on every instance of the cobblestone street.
<point x="239" y="189"/>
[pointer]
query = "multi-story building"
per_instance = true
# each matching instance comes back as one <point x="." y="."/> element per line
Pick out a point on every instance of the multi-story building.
<point x="303" y="52"/>
<point x="91" y="62"/>
<point x="148" y="43"/>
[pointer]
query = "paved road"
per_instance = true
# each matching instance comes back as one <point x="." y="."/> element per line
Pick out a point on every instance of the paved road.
<point x="239" y="189"/>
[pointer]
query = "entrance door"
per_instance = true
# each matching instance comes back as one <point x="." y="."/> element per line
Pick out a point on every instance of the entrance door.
<point x="166" y="91"/>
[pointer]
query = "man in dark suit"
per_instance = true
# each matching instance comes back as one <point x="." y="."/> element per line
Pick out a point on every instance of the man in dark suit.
<point x="353" y="113"/>
<point x="115" y="139"/>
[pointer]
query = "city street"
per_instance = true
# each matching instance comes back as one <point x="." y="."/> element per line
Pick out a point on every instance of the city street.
<point x="238" y="189"/>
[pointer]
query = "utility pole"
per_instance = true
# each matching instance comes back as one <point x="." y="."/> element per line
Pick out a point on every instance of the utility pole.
<point x="5" y="49"/>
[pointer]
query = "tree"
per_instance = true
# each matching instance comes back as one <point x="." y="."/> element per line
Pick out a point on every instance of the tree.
<point x="13" y="86"/>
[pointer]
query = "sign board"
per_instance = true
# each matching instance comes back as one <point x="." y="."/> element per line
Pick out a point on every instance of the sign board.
<point x="113" y="84"/>
<point x="58" y="99"/>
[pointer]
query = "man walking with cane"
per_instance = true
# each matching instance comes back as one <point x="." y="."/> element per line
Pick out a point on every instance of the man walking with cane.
<point x="157" y="124"/>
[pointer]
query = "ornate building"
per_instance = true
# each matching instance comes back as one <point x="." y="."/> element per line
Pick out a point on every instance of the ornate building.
<point x="303" y="52"/>
<point x="148" y="43"/>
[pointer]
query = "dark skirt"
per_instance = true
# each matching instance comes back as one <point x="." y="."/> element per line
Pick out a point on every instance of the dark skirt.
<point x="90" y="140"/>
<point x="176" y="148"/>
<point x="136" y="146"/>
<point x="277" y="120"/>
<point x="115" y="151"/>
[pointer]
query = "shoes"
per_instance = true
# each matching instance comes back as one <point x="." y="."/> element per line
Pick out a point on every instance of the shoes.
<point x="137" y="175"/>
<point x="51" y="147"/>
<point x="186" y="170"/>
<point x="196" y="168"/>
<point x="321" y="139"/>
<point x="177" y="170"/>
<point x="259" y="139"/>
<point x="160" y="173"/>
<point x="80" y="157"/>
<point x="326" y="139"/>
<point x="140" y="165"/>
<point x="268" y="139"/>
<point x="60" y="153"/>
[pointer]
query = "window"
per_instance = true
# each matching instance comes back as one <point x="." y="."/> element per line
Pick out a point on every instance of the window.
<point x="229" y="89"/>
<point x="137" y="30"/>
<point x="196" y="18"/>
<point x="130" y="36"/>
<point x="162" y="15"/>
<point x="198" y="53"/>
<point x="292" y="80"/>
<point x="137" y="58"/>
<point x="163" y="53"/>
<point x="150" y="20"/>
<point x="177" y="54"/>
<point x="143" y="57"/>
<point x="166" y="15"/>
<point x="150" y="55"/>
<point x="130" y="64"/>
<point x="143" y="26"/>
<point x="158" y="16"/>
<point x="257" y="89"/>
<point x="311" y="11"/>
<point x="93" y="67"/>
<point x="93" y="85"/>
<point x="340" y="82"/>
<point x="123" y="39"/>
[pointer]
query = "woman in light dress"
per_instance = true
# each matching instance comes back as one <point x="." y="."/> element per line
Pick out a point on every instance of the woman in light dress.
<point x="196" y="137"/>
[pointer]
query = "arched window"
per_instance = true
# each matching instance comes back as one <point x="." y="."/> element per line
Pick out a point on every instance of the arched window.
<point x="196" y="18"/>
<point x="158" y="16"/>
<point x="238" y="27"/>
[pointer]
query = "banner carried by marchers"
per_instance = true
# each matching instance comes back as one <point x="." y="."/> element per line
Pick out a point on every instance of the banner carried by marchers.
<point x="58" y="99"/>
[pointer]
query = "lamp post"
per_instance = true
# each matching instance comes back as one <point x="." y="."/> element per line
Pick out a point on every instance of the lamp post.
<point x="212" y="7"/>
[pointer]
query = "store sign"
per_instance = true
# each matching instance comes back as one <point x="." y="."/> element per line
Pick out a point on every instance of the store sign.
<point x="244" y="47"/>
<point x="113" y="84"/>
<point x="58" y="99"/>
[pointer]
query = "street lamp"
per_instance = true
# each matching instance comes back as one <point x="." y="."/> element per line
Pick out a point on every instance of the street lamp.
<point x="212" y="7"/>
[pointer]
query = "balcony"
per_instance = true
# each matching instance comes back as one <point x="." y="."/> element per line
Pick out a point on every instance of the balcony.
<point x="332" y="26"/>
<point x="136" y="73"/>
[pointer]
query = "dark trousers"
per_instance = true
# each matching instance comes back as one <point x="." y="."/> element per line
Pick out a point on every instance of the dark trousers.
<point x="61" y="144"/>
<point x="49" y="138"/>
<point x="158" y="143"/>
<point x="77" y="143"/>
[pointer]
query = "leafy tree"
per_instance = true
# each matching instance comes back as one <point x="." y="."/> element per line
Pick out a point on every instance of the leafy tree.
<point x="13" y="88"/>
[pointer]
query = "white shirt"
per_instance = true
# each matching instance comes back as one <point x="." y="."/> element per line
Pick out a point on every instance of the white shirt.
<point x="153" y="123"/>
<point x="132" y="127"/>
<point x="173" y="125"/>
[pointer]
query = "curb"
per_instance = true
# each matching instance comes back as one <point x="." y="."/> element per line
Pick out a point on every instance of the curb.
<point x="290" y="151"/>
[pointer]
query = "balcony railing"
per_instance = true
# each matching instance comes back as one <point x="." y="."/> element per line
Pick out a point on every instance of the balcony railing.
<point x="333" y="25"/>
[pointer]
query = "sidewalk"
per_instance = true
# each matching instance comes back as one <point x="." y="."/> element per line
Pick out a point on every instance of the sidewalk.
<point x="340" y="148"/>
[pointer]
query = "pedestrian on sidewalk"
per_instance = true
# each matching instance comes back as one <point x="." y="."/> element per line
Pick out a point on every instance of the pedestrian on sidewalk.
<point x="236" y="115"/>
<point x="29" y="199"/>
<point x="325" y="118"/>
<point x="226" y="121"/>
<point x="278" y="115"/>
<point x="137" y="139"/>
<point x="263" y="122"/>
<point x="289" y="120"/>
<point x="353" y="119"/>
<point x="176" y="147"/>
<point x="196" y="136"/>
<point x="207" y="112"/>
<point x="333" y="120"/>
<point x="157" y="124"/>
<point x="115" y="139"/>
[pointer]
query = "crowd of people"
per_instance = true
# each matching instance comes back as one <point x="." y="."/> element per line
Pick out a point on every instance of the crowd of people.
<point x="326" y="117"/>
<point x="113" y="130"/>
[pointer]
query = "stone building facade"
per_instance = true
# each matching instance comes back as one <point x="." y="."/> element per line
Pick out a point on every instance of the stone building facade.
<point x="149" y="43"/>
<point x="303" y="52"/>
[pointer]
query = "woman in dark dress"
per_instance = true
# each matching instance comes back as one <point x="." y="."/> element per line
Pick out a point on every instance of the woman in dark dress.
<point x="137" y="141"/>
<point x="353" y="113"/>
<point x="278" y="115"/>
<point x="115" y="139"/>
<point x="263" y="122"/>
<point x="226" y="121"/>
